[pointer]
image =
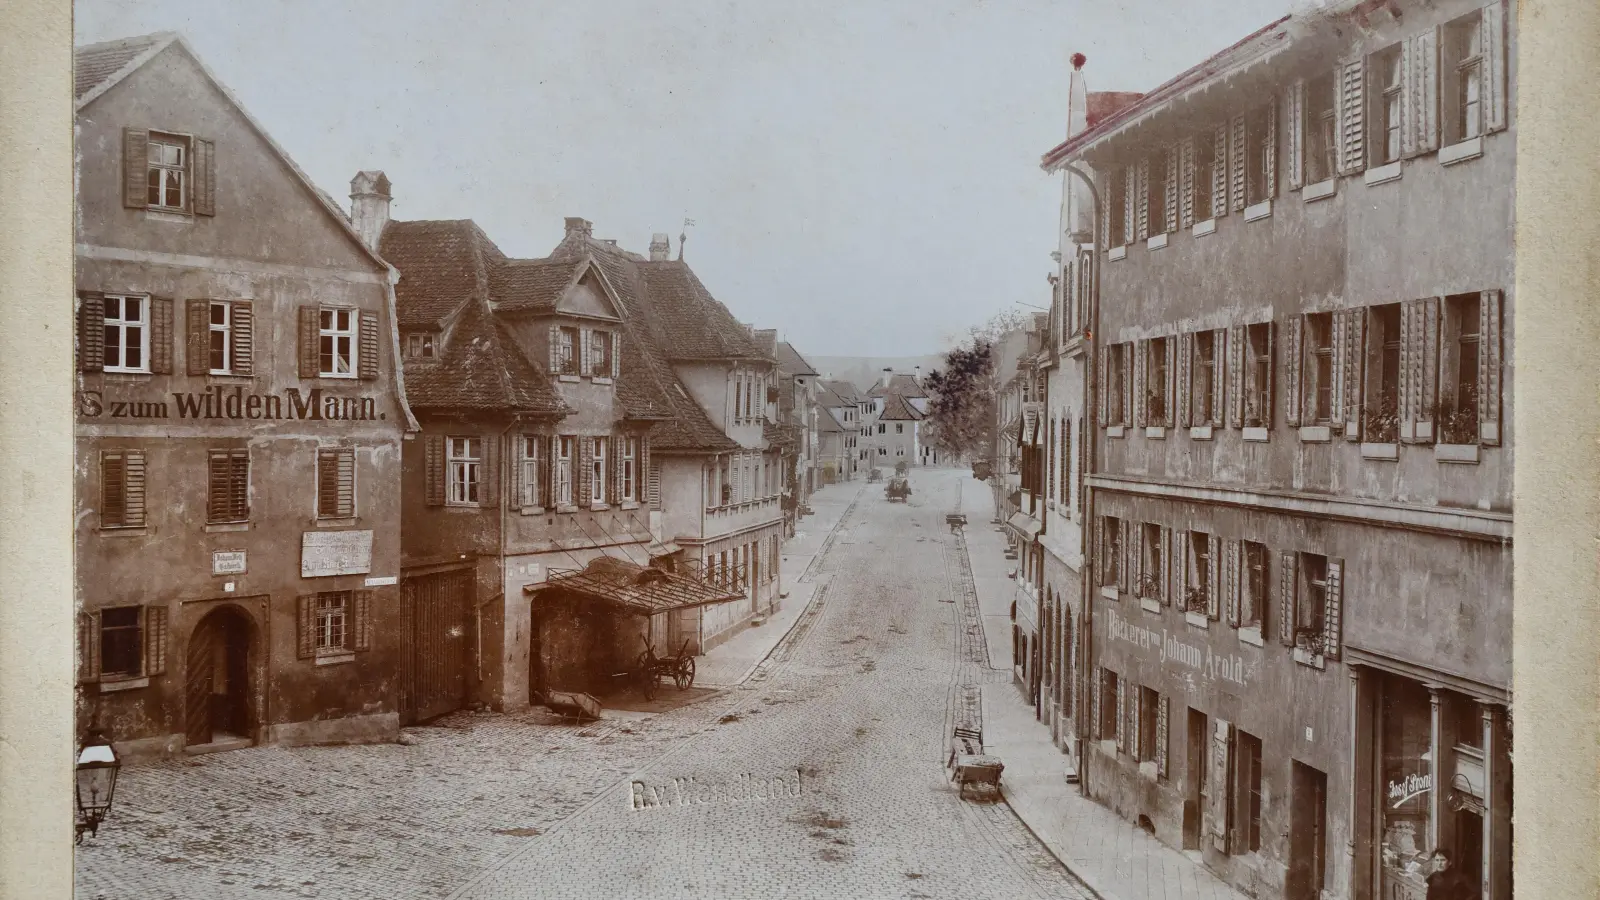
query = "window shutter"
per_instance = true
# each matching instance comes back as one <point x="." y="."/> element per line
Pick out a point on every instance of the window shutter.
<point x="433" y="463"/>
<point x="133" y="488"/>
<point x="1272" y="360"/>
<point x="514" y="480"/>
<point x="135" y="168"/>
<point x="1410" y="76"/>
<point x="1219" y="171"/>
<point x="1172" y="381"/>
<point x="585" y="357"/>
<point x="310" y="329"/>
<point x="618" y="442"/>
<point x="1237" y="136"/>
<point x="1494" y="66"/>
<point x="1354" y="353"/>
<point x="1237" y="347"/>
<point x="1219" y="786"/>
<point x="1135" y="708"/>
<point x="1423" y="68"/>
<point x="1174" y="154"/>
<point x="203" y="184"/>
<point x="1162" y="732"/>
<point x="1234" y="582"/>
<point x="1105" y="218"/>
<point x="1428" y="398"/>
<point x="1338" y="325"/>
<point x="368" y="361"/>
<point x="1141" y="350"/>
<point x="489" y="472"/>
<point x="113" y="490"/>
<point x="1187" y="181"/>
<point x="1219" y="375"/>
<point x="1122" y="713"/>
<point x="1050" y="454"/>
<point x="1132" y="555"/>
<point x="585" y="463"/>
<point x="1185" y="377"/>
<point x="1333" y="610"/>
<point x="1104" y="355"/>
<point x="306" y="613"/>
<point x="548" y="472"/>
<point x="1288" y="588"/>
<point x="1270" y="157"/>
<point x="1351" y="83"/>
<point x="1294" y="129"/>
<point x="653" y="487"/>
<point x="161" y="335"/>
<point x="91" y="331"/>
<point x="1095" y="731"/>
<point x="363" y="615"/>
<point x="1175" y="562"/>
<point x="1130" y="203"/>
<point x="1142" y="185"/>
<point x="1126" y="373"/>
<point x="555" y="350"/>
<point x="1291" y="371"/>
<point x="1214" y="578"/>
<point x="155" y="640"/>
<point x="616" y="354"/>
<point x="1489" y="368"/>
<point x="197" y="347"/>
<point x="88" y="646"/>
<point x="542" y="471"/>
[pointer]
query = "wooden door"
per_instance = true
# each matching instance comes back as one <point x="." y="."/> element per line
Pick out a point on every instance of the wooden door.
<point x="199" y="666"/>
<point x="1308" y="810"/>
<point x="1196" y="765"/>
<point x="436" y="608"/>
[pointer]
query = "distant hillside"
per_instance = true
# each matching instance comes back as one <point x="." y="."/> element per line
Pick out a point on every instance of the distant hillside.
<point x="864" y="371"/>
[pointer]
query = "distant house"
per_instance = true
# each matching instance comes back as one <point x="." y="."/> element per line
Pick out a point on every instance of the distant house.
<point x="899" y="405"/>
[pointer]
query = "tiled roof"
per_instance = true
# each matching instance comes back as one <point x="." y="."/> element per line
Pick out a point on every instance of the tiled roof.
<point x="442" y="264"/>
<point x="844" y="389"/>
<point x="828" y="422"/>
<point x="692" y="324"/>
<point x="766" y="340"/>
<point x="95" y="64"/>
<point x="481" y="370"/>
<point x="530" y="285"/>
<point x="1105" y="103"/>
<point x="896" y="407"/>
<point x="790" y="362"/>
<point x="906" y="386"/>
<point x="829" y="398"/>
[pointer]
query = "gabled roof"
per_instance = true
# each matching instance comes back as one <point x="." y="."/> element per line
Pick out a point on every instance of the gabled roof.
<point x="828" y="398"/>
<point x="766" y="341"/>
<point x="481" y="370"/>
<point x="532" y="285"/>
<point x="896" y="407"/>
<point x="442" y="263"/>
<point x="904" y="385"/>
<point x="828" y="422"/>
<point x="692" y="324"/>
<point x="844" y="389"/>
<point x="791" y="363"/>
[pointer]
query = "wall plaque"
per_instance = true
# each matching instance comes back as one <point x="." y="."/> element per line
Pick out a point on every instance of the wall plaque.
<point x="324" y="553"/>
<point x="227" y="562"/>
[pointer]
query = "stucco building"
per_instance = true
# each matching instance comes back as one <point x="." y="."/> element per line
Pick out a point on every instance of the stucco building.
<point x="239" y="426"/>
<point x="1301" y="482"/>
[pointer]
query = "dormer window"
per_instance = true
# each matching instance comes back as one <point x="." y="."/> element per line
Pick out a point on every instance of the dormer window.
<point x="421" y="346"/>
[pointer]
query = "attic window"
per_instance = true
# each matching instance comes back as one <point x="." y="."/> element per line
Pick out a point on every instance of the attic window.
<point x="421" y="346"/>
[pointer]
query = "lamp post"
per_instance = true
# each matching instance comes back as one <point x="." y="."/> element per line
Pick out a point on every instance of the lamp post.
<point x="96" y="775"/>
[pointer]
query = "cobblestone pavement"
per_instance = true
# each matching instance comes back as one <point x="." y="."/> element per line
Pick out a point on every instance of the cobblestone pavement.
<point x="821" y="776"/>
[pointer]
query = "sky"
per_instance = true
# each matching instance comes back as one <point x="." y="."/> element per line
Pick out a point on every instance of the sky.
<point x="862" y="176"/>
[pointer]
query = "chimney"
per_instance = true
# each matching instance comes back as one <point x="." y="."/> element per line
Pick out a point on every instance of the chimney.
<point x="660" y="247"/>
<point x="1079" y="223"/>
<point x="580" y="228"/>
<point x="887" y="374"/>
<point x="369" y="206"/>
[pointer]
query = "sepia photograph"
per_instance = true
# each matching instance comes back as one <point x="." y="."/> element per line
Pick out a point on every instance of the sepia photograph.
<point x="716" y="450"/>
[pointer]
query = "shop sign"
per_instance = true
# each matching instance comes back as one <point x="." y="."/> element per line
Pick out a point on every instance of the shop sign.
<point x="324" y="553"/>
<point x="1176" y="652"/>
<point x="1409" y="788"/>
<point x="227" y="562"/>
<point x="218" y="403"/>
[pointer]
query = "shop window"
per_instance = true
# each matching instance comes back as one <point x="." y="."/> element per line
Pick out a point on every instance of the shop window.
<point x="1321" y="138"/>
<point x="1382" y="411"/>
<point x="1458" y="386"/>
<point x="1387" y="105"/>
<point x="1319" y="367"/>
<point x="1248" y="790"/>
<point x="1406" y="736"/>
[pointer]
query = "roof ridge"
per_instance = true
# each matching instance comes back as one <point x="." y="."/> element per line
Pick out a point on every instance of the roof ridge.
<point x="154" y="37"/>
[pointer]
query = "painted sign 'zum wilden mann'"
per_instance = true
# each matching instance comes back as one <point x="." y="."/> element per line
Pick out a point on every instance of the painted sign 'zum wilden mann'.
<point x="223" y="403"/>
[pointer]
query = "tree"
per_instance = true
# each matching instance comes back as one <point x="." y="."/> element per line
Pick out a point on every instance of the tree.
<point x="961" y="411"/>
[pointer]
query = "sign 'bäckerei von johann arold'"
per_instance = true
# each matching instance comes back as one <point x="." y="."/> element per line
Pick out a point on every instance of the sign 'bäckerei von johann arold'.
<point x="1172" y="650"/>
<point x="234" y="403"/>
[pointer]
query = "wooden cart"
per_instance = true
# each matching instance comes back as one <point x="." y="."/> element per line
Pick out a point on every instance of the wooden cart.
<point x="968" y="763"/>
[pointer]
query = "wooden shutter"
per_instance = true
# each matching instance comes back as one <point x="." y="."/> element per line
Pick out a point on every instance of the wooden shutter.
<point x="1104" y="355"/>
<point x="1238" y="346"/>
<point x="1049" y="456"/>
<point x="133" y="488"/>
<point x="1291" y="371"/>
<point x="1234" y="582"/>
<point x="433" y="464"/>
<point x="1185" y="377"/>
<point x="1219" y="375"/>
<point x="1162" y="734"/>
<point x="1333" y="610"/>
<point x="585" y="463"/>
<point x="1493" y="35"/>
<point x="619" y="443"/>
<point x="1336" y="368"/>
<point x="1135" y="706"/>
<point x="1350" y="85"/>
<point x="1137" y="549"/>
<point x="363" y="620"/>
<point x="1269" y="160"/>
<point x="1288" y="590"/>
<point x="1125" y="371"/>
<point x="514" y="479"/>
<point x="1142" y="185"/>
<point x="155" y="640"/>
<point x="1410" y="375"/>
<point x="1220" y="785"/>
<point x="113" y="490"/>
<point x="88" y="646"/>
<point x="1172" y="381"/>
<point x="1219" y="171"/>
<point x="203" y="184"/>
<point x="489" y="472"/>
<point x="1271" y="367"/>
<point x="1409" y="75"/>
<point x="1355" y="365"/>
<point x="1095" y="731"/>
<point x="1428" y="398"/>
<point x="616" y="353"/>
<point x="1489" y="368"/>
<point x="1187" y="179"/>
<point x="336" y="482"/>
<point x="91" y="331"/>
<point x="1214" y="581"/>
<point x="1170" y="189"/>
<point x="1423" y="69"/>
<point x="653" y="473"/>
<point x="367" y="363"/>
<point x="244" y="337"/>
<point x="1122" y="715"/>
<point x="197" y="328"/>
<point x="310" y="330"/>
<point x="554" y="367"/>
<point x="1294" y="131"/>
<point x="135" y="168"/>
<point x="306" y="632"/>
<point x="1238" y="135"/>
<point x="548" y="472"/>
<point x="1130" y="203"/>
<point x="1175" y="563"/>
<point x="228" y="486"/>
<point x="161" y="335"/>
<point x="1140" y="352"/>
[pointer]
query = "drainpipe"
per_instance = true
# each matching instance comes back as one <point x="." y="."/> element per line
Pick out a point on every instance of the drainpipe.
<point x="503" y="501"/>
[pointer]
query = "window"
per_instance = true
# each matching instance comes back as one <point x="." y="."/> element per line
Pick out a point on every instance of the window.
<point x="1463" y="74"/>
<point x="1111" y="558"/>
<point x="882" y="428"/>
<point x="1064" y="462"/>
<point x="1197" y="597"/>
<point x="220" y="338"/>
<point x="1382" y="413"/>
<point x="127" y="333"/>
<point x="1258" y="375"/>
<point x="899" y="451"/>
<point x="336" y="346"/>
<point x="1313" y="598"/>
<point x="420" y="346"/>
<point x="228" y="486"/>
<point x="598" y="470"/>
<point x="1206" y="173"/>
<point x="1319" y="366"/>
<point x="629" y="489"/>
<point x="1253" y="589"/>
<point x="122" y="489"/>
<point x="332" y="618"/>
<point x="1110" y="724"/>
<point x="336" y="483"/>
<point x="1156" y="381"/>
<point x="883" y="451"/>
<point x="899" y="428"/>
<point x="1152" y="584"/>
<point x="1203" y="386"/>
<point x="1260" y="156"/>
<point x="1388" y="110"/>
<point x="1248" y="791"/>
<point x="600" y="353"/>
<point x="528" y="471"/>
<point x="563" y="479"/>
<point x="1321" y="136"/>
<point x="1116" y="207"/>
<point x="121" y="642"/>
<point x="463" y="470"/>
<point x="1156" y="193"/>
<point x="167" y="176"/>
<point x="1458" y="386"/>
<point x="1116" y="379"/>
<point x="1149" y="712"/>
<point x="566" y="350"/>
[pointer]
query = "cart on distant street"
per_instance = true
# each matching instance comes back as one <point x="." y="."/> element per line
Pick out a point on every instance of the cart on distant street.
<point x="679" y="667"/>
<point x="898" y="490"/>
<point x="968" y="763"/>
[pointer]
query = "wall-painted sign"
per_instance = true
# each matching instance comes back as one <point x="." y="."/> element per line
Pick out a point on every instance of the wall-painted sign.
<point x="1409" y="787"/>
<point x="325" y="553"/>
<point x="227" y="562"/>
<point x="1175" y="651"/>
<point x="218" y="402"/>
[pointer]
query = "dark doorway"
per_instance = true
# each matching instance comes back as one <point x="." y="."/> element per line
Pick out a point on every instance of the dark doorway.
<point x="435" y="615"/>
<point x="1308" y="819"/>
<point x="1195" y="767"/>
<point x="217" y="689"/>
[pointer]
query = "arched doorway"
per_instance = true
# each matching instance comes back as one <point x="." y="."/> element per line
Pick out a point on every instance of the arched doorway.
<point x="218" y="694"/>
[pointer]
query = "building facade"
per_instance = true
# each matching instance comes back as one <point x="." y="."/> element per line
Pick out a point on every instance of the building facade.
<point x="239" y="427"/>
<point x="1301" y="485"/>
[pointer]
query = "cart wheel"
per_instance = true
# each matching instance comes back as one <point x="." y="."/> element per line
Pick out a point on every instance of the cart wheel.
<point x="685" y="674"/>
<point x="646" y="661"/>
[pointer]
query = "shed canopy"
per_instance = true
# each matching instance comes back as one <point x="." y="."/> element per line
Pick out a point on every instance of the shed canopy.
<point x="635" y="588"/>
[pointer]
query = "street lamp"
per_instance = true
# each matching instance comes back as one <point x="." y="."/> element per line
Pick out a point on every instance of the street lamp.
<point x="96" y="774"/>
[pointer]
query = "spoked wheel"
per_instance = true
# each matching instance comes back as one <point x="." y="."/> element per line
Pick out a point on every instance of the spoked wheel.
<point x="684" y="676"/>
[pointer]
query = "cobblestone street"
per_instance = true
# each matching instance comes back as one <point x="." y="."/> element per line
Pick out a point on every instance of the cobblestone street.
<point x="820" y="776"/>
